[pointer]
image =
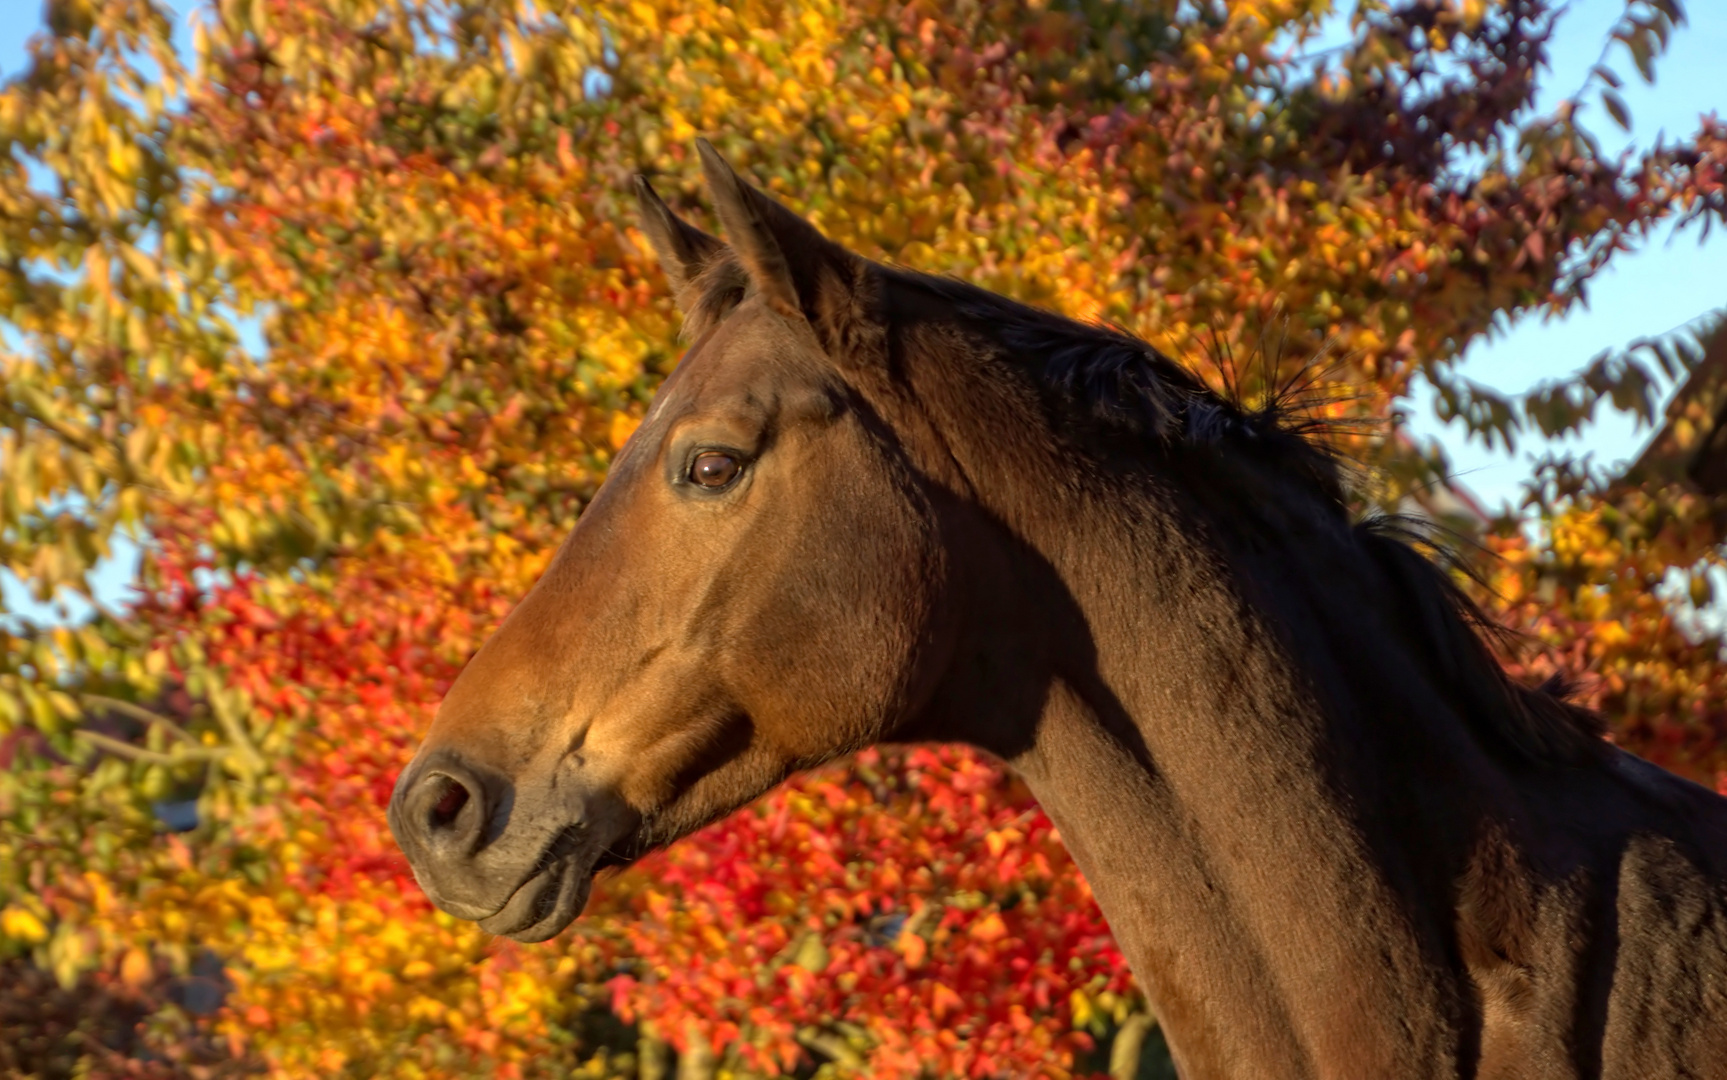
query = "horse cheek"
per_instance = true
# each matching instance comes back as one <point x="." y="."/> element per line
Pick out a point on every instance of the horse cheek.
<point x="838" y="652"/>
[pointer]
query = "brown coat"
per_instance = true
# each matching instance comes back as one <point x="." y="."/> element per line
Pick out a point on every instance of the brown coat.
<point x="1332" y="837"/>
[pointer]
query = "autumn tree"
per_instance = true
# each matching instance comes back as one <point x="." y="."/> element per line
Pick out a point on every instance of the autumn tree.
<point x="422" y="211"/>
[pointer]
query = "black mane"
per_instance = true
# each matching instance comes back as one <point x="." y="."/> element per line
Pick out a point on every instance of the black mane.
<point x="1125" y="387"/>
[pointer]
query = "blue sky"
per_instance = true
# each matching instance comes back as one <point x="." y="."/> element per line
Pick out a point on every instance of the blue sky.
<point x="1648" y="292"/>
<point x="1671" y="281"/>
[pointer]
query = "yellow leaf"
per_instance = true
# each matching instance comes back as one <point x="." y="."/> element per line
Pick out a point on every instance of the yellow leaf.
<point x="21" y="925"/>
<point x="1082" y="1008"/>
<point x="135" y="967"/>
<point x="623" y="426"/>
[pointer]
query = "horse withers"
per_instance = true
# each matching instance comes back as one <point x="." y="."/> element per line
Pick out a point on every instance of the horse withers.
<point x="1332" y="837"/>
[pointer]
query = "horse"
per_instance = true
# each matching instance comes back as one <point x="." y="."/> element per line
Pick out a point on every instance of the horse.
<point x="1332" y="836"/>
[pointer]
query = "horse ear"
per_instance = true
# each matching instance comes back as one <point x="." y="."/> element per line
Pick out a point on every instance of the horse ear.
<point x="795" y="268"/>
<point x="682" y="248"/>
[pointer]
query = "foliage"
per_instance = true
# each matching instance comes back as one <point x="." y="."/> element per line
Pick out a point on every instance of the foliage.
<point x="424" y="207"/>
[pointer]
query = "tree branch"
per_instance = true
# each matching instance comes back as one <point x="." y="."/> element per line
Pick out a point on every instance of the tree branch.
<point x="140" y="714"/>
<point x="153" y="757"/>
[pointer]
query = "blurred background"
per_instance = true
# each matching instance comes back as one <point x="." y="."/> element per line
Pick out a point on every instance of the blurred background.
<point x="321" y="320"/>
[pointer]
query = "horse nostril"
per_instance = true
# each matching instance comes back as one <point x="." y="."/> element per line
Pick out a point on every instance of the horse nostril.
<point x="449" y="804"/>
<point x="440" y="809"/>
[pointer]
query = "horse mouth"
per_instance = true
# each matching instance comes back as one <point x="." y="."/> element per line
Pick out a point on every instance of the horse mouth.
<point x="548" y="901"/>
<point x="544" y="904"/>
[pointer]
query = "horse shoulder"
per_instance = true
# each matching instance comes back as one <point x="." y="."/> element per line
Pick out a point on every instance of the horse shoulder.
<point x="1600" y="949"/>
<point x="1667" y="1012"/>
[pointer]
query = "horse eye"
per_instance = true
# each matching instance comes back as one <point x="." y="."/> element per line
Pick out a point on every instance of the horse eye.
<point x="714" y="469"/>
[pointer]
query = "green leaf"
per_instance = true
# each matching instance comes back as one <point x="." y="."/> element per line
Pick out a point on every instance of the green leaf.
<point x="1616" y="109"/>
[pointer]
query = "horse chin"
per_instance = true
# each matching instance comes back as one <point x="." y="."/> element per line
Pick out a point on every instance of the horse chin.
<point x="545" y="904"/>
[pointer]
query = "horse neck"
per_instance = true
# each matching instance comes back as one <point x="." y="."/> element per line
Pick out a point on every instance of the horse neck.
<point x="1226" y="802"/>
<point x="1243" y="811"/>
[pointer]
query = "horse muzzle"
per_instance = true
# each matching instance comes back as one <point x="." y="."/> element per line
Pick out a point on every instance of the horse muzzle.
<point x="518" y="860"/>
